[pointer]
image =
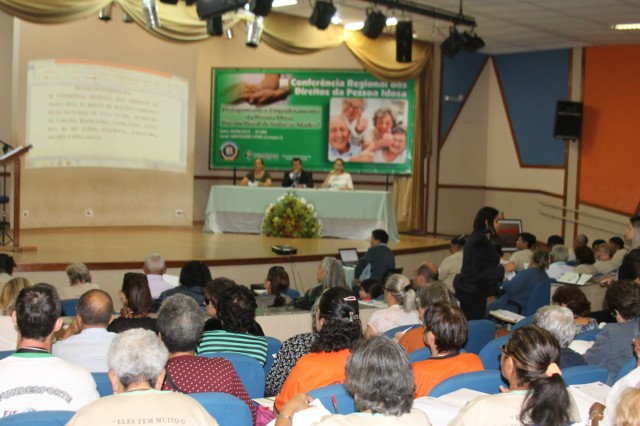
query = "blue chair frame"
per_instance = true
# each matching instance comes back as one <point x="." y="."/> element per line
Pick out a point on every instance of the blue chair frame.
<point x="481" y="332"/>
<point x="582" y="374"/>
<point x="37" y="418"/>
<point x="524" y="321"/>
<point x="103" y="383"/>
<point x="626" y="368"/>
<point x="227" y="409"/>
<point x="420" y="355"/>
<point x="490" y="354"/>
<point x="487" y="381"/>
<point x="588" y="335"/>
<point x="4" y="354"/>
<point x="273" y="346"/>
<point x="344" y="400"/>
<point x="249" y="370"/>
<point x="69" y="307"/>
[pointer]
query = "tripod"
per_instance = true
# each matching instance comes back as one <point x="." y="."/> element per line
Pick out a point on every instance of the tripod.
<point x="5" y="238"/>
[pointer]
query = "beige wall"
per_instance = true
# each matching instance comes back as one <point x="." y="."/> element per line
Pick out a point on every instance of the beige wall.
<point x="6" y="75"/>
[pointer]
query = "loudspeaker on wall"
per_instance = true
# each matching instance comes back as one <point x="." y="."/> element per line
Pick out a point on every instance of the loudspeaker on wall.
<point x="404" y="38"/>
<point x="568" y="122"/>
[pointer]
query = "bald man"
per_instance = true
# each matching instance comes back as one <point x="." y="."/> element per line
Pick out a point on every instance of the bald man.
<point x="425" y="273"/>
<point x="87" y="340"/>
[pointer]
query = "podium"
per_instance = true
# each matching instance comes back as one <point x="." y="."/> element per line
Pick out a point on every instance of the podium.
<point x="13" y="156"/>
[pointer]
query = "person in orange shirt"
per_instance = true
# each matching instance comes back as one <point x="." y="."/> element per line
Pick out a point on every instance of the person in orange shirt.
<point x="445" y="333"/>
<point x="339" y="328"/>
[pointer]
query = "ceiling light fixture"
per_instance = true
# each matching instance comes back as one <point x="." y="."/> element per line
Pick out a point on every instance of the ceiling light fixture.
<point x="375" y="23"/>
<point x="150" y="9"/>
<point x="626" y="27"/>
<point x="105" y="13"/>
<point x="260" y="7"/>
<point x="214" y="25"/>
<point x="354" y="26"/>
<point x="284" y="3"/>
<point x="323" y="11"/>
<point x="254" y="31"/>
<point x="420" y="9"/>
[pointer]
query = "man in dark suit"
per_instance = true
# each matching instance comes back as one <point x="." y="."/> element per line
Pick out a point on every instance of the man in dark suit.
<point x="377" y="260"/>
<point x="297" y="178"/>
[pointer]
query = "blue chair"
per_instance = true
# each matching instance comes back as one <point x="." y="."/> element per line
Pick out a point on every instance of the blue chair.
<point x="539" y="297"/>
<point x="103" y="383"/>
<point x="490" y="354"/>
<point x="481" y="332"/>
<point x="392" y="332"/>
<point x="588" y="335"/>
<point x="292" y="293"/>
<point x="249" y="370"/>
<point x="420" y="355"/>
<point x="228" y="410"/>
<point x="524" y="321"/>
<point x="626" y="369"/>
<point x="344" y="399"/>
<point x="582" y="374"/>
<point x="69" y="307"/>
<point x="4" y="354"/>
<point x="273" y="346"/>
<point x="37" y="418"/>
<point x="487" y="381"/>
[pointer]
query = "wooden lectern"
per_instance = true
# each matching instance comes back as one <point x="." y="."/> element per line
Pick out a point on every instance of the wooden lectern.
<point x="14" y="155"/>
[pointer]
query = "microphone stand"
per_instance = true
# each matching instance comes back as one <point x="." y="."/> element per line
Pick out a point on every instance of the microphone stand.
<point x="5" y="239"/>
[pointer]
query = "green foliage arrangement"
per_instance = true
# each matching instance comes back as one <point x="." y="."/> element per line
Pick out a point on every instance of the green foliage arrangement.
<point x="291" y="217"/>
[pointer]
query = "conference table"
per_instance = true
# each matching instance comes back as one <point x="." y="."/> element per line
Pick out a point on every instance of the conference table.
<point x="343" y="214"/>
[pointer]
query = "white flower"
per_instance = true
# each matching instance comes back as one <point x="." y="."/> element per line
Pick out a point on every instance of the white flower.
<point x="280" y="198"/>
<point x="303" y="201"/>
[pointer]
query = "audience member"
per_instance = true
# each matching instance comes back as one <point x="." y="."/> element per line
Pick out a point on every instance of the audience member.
<point x="630" y="267"/>
<point x="237" y="310"/>
<point x="481" y="269"/>
<point x="370" y="289"/>
<point x="558" y="321"/>
<point x="452" y="264"/>
<point x="339" y="328"/>
<point x="87" y="340"/>
<point x="8" y="331"/>
<point x="379" y="377"/>
<point x="32" y="369"/>
<point x="558" y="257"/>
<point x="329" y="274"/>
<point x="620" y="251"/>
<point x="276" y="285"/>
<point x="445" y="333"/>
<point x="136" y="300"/>
<point x="596" y="243"/>
<point x="426" y="272"/>
<point x="524" y="249"/>
<point x="612" y="347"/>
<point x="581" y="240"/>
<point x="585" y="260"/>
<point x="402" y="307"/>
<point x="604" y="263"/>
<point x="212" y="293"/>
<point x="136" y="370"/>
<point x="536" y="394"/>
<point x="194" y="276"/>
<point x="378" y="260"/>
<point x="573" y="298"/>
<point x="337" y="178"/>
<point x="258" y="176"/>
<point x="154" y="268"/>
<point x="297" y="177"/>
<point x="7" y="265"/>
<point x="628" y="412"/>
<point x="180" y="324"/>
<point x="79" y="281"/>
<point x="413" y="339"/>
<point x="554" y="240"/>
<point x="518" y="290"/>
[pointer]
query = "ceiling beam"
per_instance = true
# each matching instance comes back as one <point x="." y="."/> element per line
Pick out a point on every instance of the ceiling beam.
<point x="433" y="12"/>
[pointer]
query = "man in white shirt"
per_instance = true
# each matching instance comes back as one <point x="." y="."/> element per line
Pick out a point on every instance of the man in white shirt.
<point x="154" y="267"/>
<point x="33" y="379"/>
<point x="90" y="345"/>
<point x="524" y="244"/>
<point x="558" y="257"/>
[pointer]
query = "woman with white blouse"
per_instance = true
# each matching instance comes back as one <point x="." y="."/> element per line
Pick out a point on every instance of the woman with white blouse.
<point x="338" y="178"/>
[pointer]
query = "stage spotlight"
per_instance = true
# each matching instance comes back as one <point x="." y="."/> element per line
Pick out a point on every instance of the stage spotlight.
<point x="169" y="1"/>
<point x="452" y="44"/>
<point x="374" y="24"/>
<point x="214" y="25"/>
<point x="208" y="8"/>
<point x="323" y="11"/>
<point x="105" y="13"/>
<point x="260" y="7"/>
<point x="126" y="18"/>
<point x="229" y="33"/>
<point x="150" y="10"/>
<point x="472" y="42"/>
<point x="254" y="31"/>
<point x="404" y="41"/>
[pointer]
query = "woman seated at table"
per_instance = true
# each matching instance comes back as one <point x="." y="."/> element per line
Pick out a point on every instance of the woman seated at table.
<point x="379" y="376"/>
<point x="276" y="285"/>
<point x="258" y="177"/>
<point x="401" y="299"/>
<point x="136" y="298"/>
<point x="537" y="394"/>
<point x="570" y="296"/>
<point x="338" y="178"/>
<point x="339" y="328"/>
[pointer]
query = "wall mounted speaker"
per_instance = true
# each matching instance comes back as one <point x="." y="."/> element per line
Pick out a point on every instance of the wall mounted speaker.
<point x="404" y="38"/>
<point x="568" y="122"/>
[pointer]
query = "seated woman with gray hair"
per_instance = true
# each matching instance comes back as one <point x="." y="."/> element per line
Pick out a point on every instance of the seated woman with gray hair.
<point x="136" y="360"/>
<point x="558" y="321"/>
<point x="380" y="378"/>
<point x="402" y="310"/>
<point x="330" y="274"/>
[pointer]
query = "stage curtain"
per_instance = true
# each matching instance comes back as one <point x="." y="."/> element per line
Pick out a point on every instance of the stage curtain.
<point x="52" y="11"/>
<point x="293" y="34"/>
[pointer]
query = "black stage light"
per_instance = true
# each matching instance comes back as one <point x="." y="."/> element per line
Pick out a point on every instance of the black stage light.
<point x="374" y="24"/>
<point x="207" y="8"/>
<point x="323" y="11"/>
<point x="452" y="44"/>
<point x="404" y="40"/>
<point x="214" y="25"/>
<point x="260" y="7"/>
<point x="169" y="1"/>
<point x="472" y="42"/>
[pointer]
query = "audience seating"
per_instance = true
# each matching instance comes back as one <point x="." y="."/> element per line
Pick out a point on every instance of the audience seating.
<point x="37" y="418"/>
<point x="292" y="293"/>
<point x="103" y="383"/>
<point x="273" y="346"/>
<point x="420" y="355"/>
<point x="488" y="381"/>
<point x="582" y="374"/>
<point x="524" y="321"/>
<point x="481" y="332"/>
<point x="588" y="335"/>
<point x="249" y="370"/>
<point x="392" y="332"/>
<point x="4" y="354"/>
<point x="490" y="354"/>
<point x="539" y="297"/>
<point x="626" y="368"/>
<point x="344" y="400"/>
<point x="228" y="410"/>
<point x="69" y="307"/>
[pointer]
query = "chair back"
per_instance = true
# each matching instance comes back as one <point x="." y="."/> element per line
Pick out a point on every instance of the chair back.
<point x="392" y="331"/>
<point x="481" y="332"/>
<point x="626" y="368"/>
<point x="420" y="355"/>
<point x="273" y="346"/>
<point x="588" y="335"/>
<point x="539" y="297"/>
<point x="37" y="418"/>
<point x="524" y="321"/>
<point x="4" y="354"/>
<point x="490" y="354"/>
<point x="227" y="409"/>
<point x="103" y="383"/>
<point x="582" y="374"/>
<point x="69" y="307"/>
<point x="292" y="293"/>
<point x="344" y="400"/>
<point x="488" y="381"/>
<point x="249" y="370"/>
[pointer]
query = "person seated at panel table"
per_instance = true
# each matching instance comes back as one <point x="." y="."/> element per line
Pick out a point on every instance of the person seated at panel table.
<point x="258" y="177"/>
<point x="395" y="150"/>
<point x="445" y="331"/>
<point x="338" y="178"/>
<point x="297" y="177"/>
<point x="537" y="394"/>
<point x="339" y="145"/>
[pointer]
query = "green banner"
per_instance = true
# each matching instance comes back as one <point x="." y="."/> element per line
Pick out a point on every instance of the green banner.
<point x="317" y="116"/>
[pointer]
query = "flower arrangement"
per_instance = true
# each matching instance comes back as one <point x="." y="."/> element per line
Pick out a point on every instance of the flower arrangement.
<point x="291" y="217"/>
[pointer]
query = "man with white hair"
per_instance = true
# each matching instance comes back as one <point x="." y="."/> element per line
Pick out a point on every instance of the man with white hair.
<point x="79" y="281"/>
<point x="559" y="256"/>
<point x="154" y="267"/>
